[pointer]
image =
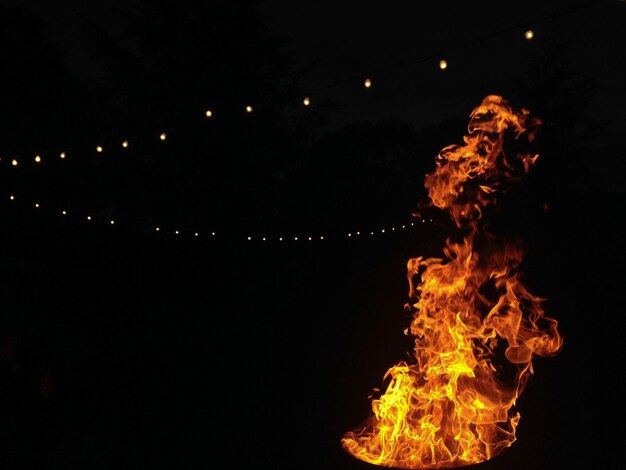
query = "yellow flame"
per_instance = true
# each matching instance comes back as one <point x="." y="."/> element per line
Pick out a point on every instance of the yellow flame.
<point x="473" y="318"/>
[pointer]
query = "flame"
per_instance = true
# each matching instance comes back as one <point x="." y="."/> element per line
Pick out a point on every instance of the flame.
<point x="476" y="327"/>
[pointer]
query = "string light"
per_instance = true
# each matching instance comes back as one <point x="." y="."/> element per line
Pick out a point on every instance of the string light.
<point x="264" y="238"/>
<point x="163" y="136"/>
<point x="37" y="159"/>
<point x="367" y="82"/>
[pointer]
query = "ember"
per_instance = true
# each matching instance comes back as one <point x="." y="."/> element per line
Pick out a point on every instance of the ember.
<point x="476" y="327"/>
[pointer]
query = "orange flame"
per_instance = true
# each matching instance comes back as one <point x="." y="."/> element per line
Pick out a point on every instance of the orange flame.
<point x="476" y="327"/>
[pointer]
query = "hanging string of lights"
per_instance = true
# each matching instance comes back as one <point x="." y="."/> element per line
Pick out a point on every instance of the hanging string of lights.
<point x="182" y="232"/>
<point x="307" y="101"/>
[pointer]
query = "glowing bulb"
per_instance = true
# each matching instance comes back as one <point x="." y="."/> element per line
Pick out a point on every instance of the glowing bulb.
<point x="306" y="101"/>
<point x="349" y="234"/>
<point x="443" y="64"/>
<point x="295" y="238"/>
<point x="358" y="233"/>
<point x="208" y="113"/>
<point x="249" y="238"/>
<point x="125" y="144"/>
<point x="14" y="162"/>
<point x="157" y="229"/>
<point x="213" y="234"/>
<point x="321" y="238"/>
<point x="112" y="222"/>
<point x="310" y="238"/>
<point x="367" y="83"/>
<point x="37" y="205"/>
<point x="64" y="212"/>
<point x="529" y="34"/>
<point x="371" y="233"/>
<point x="88" y="217"/>
<point x="163" y="136"/>
<point x="176" y="232"/>
<point x="62" y="155"/>
<point x="280" y="239"/>
<point x="263" y="238"/>
<point x="11" y="197"/>
<point x="249" y="109"/>
<point x="99" y="149"/>
<point x="37" y="158"/>
<point x="195" y="234"/>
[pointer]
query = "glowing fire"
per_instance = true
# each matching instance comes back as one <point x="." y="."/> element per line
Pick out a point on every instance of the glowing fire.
<point x="476" y="327"/>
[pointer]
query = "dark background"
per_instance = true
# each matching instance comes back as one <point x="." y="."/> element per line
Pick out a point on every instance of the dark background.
<point x="124" y="347"/>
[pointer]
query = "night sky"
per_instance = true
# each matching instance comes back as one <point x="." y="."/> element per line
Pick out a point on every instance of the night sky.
<point x="161" y="304"/>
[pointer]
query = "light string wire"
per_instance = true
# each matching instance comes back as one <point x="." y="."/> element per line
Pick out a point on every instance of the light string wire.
<point x="365" y="79"/>
<point x="87" y="217"/>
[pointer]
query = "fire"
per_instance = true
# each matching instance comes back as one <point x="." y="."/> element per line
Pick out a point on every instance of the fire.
<point x="476" y="327"/>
